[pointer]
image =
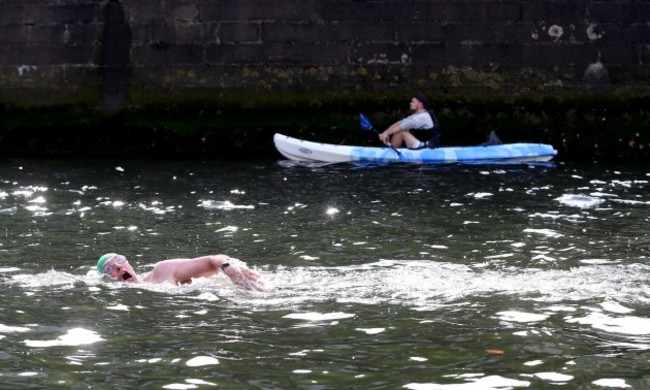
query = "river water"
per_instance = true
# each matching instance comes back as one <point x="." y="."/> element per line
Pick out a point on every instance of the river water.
<point x="377" y="277"/>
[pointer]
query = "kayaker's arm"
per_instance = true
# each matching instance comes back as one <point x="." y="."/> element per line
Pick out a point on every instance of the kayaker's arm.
<point x="392" y="129"/>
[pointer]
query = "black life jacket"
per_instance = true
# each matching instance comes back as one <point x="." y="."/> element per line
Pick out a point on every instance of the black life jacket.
<point x="436" y="124"/>
<point x="434" y="142"/>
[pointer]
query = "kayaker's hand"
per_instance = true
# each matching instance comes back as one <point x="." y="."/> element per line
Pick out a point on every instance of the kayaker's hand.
<point x="241" y="275"/>
<point x="384" y="138"/>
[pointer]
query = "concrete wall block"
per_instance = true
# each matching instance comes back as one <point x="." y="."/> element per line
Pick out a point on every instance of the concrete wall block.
<point x="237" y="32"/>
<point x="4" y="56"/>
<point x="82" y="34"/>
<point x="430" y="32"/>
<point x="13" y="34"/>
<point x="187" y="13"/>
<point x="375" y="11"/>
<point x="141" y="32"/>
<point x="477" y="55"/>
<point x="23" y="55"/>
<point x="308" y="32"/>
<point x="233" y="54"/>
<point x="628" y="74"/>
<point x="163" y="31"/>
<point x="618" y="53"/>
<point x="168" y="53"/>
<point x="644" y="51"/>
<point x="30" y="76"/>
<point x="508" y="32"/>
<point x="68" y="54"/>
<point x="615" y="32"/>
<point x="555" y="12"/>
<point x="137" y="11"/>
<point x="459" y="11"/>
<point x="494" y="54"/>
<point x="49" y="85"/>
<point x="176" y="78"/>
<point x="45" y="34"/>
<point x="11" y="13"/>
<point x="256" y="10"/>
<point x="544" y="55"/>
<point x="502" y="32"/>
<point x="49" y="55"/>
<point x="405" y="12"/>
<point x="61" y="14"/>
<point x="82" y="13"/>
<point x="323" y="54"/>
<point x="434" y="53"/>
<point x="381" y="53"/>
<point x="367" y="32"/>
<point x="278" y="53"/>
<point x="502" y="11"/>
<point x="7" y="77"/>
<point x="202" y="80"/>
<point x="68" y="34"/>
<point x="142" y="12"/>
<point x="182" y="32"/>
<point x="618" y="12"/>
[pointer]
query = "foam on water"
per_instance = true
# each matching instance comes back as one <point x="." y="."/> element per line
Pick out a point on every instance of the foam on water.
<point x="416" y="283"/>
<point x="612" y="383"/>
<point x="581" y="201"/>
<point x="73" y="337"/>
<point x="474" y="383"/>
<point x="550" y="270"/>
<point x="223" y="205"/>
<point x="602" y="297"/>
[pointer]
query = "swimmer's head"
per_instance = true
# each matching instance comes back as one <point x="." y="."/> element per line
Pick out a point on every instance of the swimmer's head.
<point x="117" y="267"/>
<point x="102" y="260"/>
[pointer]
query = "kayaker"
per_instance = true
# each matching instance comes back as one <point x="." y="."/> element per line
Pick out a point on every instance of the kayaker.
<point x="181" y="271"/>
<point x="417" y="131"/>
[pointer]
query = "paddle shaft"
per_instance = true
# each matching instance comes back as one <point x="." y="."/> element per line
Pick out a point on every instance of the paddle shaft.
<point x="366" y="125"/>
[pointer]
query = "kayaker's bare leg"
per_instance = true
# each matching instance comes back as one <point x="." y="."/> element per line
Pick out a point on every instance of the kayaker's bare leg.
<point x="404" y="137"/>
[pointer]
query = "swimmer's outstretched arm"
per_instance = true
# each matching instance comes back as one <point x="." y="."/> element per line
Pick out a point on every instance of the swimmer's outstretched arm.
<point x="180" y="271"/>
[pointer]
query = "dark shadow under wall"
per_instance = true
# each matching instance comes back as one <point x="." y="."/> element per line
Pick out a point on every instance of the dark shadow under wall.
<point x="115" y="57"/>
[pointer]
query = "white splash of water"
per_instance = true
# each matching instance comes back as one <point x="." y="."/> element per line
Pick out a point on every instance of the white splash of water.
<point x="581" y="201"/>
<point x="74" y="337"/>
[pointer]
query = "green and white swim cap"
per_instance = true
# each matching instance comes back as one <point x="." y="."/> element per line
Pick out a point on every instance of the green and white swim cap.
<point x="102" y="260"/>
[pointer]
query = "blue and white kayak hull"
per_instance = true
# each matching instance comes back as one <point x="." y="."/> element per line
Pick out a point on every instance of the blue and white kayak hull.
<point x="308" y="151"/>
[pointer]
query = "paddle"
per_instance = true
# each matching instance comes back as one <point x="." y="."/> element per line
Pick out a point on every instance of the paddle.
<point x="365" y="124"/>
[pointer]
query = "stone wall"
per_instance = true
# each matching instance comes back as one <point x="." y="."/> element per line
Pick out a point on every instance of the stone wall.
<point x="59" y="51"/>
<point x="75" y="56"/>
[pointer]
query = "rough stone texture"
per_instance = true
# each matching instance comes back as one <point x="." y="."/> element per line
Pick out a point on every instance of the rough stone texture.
<point x="136" y="54"/>
<point x="50" y="48"/>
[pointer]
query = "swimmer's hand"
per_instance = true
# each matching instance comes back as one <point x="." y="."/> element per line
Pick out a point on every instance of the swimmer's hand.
<point x="241" y="275"/>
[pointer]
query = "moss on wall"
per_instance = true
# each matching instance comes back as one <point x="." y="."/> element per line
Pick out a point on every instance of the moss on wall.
<point x="209" y="77"/>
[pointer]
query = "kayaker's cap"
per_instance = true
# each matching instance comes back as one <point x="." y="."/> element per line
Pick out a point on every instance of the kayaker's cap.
<point x="423" y="99"/>
<point x="102" y="260"/>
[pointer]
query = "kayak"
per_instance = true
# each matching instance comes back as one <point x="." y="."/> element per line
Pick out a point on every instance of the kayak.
<point x="307" y="151"/>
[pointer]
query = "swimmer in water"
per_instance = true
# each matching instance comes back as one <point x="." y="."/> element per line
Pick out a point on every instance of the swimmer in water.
<point x="181" y="271"/>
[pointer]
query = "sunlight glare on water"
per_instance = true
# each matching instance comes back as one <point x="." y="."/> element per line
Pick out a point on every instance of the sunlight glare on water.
<point x="467" y="277"/>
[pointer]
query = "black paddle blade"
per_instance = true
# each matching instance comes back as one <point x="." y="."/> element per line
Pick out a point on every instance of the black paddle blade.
<point x="364" y="122"/>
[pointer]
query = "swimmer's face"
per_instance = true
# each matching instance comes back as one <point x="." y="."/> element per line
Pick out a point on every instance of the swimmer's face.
<point x="119" y="268"/>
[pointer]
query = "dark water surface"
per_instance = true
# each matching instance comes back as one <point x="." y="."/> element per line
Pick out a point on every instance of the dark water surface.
<point x="452" y="277"/>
